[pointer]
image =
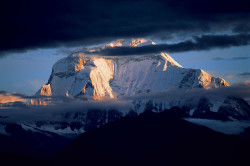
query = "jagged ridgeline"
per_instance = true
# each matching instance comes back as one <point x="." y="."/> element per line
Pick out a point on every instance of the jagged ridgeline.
<point x="97" y="77"/>
<point x="95" y="90"/>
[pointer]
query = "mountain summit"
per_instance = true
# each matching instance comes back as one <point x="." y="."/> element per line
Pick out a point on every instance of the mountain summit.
<point x="130" y="79"/>
<point x="98" y="77"/>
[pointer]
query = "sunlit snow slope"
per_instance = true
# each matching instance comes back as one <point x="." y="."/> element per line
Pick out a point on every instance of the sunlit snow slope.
<point x="98" y="77"/>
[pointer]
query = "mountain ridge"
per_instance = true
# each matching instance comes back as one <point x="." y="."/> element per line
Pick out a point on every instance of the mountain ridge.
<point x="97" y="77"/>
<point x="155" y="139"/>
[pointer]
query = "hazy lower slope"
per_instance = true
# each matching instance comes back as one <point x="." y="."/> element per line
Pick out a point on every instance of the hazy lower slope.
<point x="155" y="139"/>
<point x="148" y="139"/>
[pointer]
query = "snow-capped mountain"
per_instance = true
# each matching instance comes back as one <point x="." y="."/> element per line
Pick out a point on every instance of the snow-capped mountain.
<point x="98" y="77"/>
<point x="85" y="92"/>
<point x="95" y="77"/>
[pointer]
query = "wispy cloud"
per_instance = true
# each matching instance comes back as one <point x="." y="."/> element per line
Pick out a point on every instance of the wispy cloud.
<point x="230" y="76"/>
<point x="71" y="105"/>
<point x="244" y="75"/>
<point x="218" y="58"/>
<point x="240" y="90"/>
<point x="240" y="58"/>
<point x="233" y="58"/>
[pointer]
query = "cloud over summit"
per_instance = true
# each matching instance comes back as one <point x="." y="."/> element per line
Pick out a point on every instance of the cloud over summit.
<point x="47" y="24"/>
<point x="198" y="43"/>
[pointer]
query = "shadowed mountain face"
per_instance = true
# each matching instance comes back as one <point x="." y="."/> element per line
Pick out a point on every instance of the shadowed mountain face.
<point x="142" y="81"/>
<point x="148" y="139"/>
<point x="155" y="139"/>
<point x="35" y="143"/>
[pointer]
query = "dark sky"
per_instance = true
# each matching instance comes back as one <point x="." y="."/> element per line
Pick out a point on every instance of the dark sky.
<point x="205" y="42"/>
<point x="30" y="24"/>
<point x="213" y="35"/>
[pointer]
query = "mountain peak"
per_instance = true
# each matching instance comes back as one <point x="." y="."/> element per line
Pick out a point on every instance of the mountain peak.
<point x="99" y="77"/>
<point x="130" y="43"/>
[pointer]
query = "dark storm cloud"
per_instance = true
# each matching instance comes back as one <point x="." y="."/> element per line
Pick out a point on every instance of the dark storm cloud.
<point x="242" y="27"/>
<point x="204" y="42"/>
<point x="33" y="24"/>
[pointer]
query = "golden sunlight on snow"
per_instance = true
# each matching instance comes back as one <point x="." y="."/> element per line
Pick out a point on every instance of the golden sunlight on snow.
<point x="91" y="76"/>
<point x="136" y="42"/>
<point x="170" y="60"/>
<point x="100" y="77"/>
<point x="79" y="65"/>
<point x="207" y="82"/>
<point x="46" y="90"/>
<point x="40" y="102"/>
<point x="114" y="44"/>
<point x="10" y="98"/>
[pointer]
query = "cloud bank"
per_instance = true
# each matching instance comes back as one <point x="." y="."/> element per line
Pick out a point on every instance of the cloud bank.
<point x="47" y="24"/>
<point x="199" y="43"/>
<point x="63" y="106"/>
<point x="240" y="90"/>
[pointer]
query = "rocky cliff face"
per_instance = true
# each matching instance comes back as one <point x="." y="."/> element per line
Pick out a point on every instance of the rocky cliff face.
<point x="113" y="77"/>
